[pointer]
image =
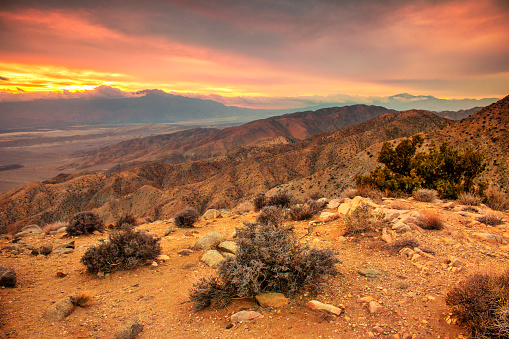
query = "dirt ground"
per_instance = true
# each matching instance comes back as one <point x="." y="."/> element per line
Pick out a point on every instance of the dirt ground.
<point x="412" y="292"/>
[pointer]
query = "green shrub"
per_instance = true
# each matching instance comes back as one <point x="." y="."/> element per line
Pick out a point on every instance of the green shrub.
<point x="186" y="217"/>
<point x="481" y="304"/>
<point x="125" y="249"/>
<point x="269" y="259"/>
<point x="444" y="169"/>
<point x="84" y="223"/>
<point x="425" y="195"/>
<point x="363" y="220"/>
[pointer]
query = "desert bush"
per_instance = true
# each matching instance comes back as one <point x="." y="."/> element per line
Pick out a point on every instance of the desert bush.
<point x="496" y="199"/>
<point x="281" y="198"/>
<point x="365" y="192"/>
<point x="491" y="220"/>
<point x="85" y="223"/>
<point x="305" y="211"/>
<point x="244" y="207"/>
<point x="125" y="249"/>
<point x="430" y="221"/>
<point x="270" y="214"/>
<point x="127" y="220"/>
<point x="54" y="226"/>
<point x="259" y="202"/>
<point x="470" y="209"/>
<point x="269" y="259"/>
<point x="82" y="298"/>
<point x="481" y="304"/>
<point x="469" y="199"/>
<point x="363" y="220"/>
<point x="448" y="171"/>
<point x="425" y="195"/>
<point x="186" y="217"/>
<point x="400" y="243"/>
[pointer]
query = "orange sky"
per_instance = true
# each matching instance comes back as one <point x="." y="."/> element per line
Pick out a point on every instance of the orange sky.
<point x="259" y="48"/>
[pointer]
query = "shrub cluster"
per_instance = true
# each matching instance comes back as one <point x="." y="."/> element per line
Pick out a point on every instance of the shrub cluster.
<point x="186" y="217"/>
<point x="365" y="192"/>
<point x="54" y="226"/>
<point x="305" y="211"/>
<point x="363" y="220"/>
<point x="269" y="259"/>
<point x="125" y="249"/>
<point x="481" y="304"/>
<point x="491" y="220"/>
<point x="281" y="198"/>
<point x="425" y="195"/>
<point x="444" y="169"/>
<point x="430" y="221"/>
<point x="469" y="199"/>
<point x="270" y="215"/>
<point x="125" y="221"/>
<point x="496" y="199"/>
<point x="84" y="223"/>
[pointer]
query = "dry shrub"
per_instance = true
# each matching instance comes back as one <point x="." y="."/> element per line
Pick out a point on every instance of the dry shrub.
<point x="269" y="259"/>
<point x="305" y="211"/>
<point x="425" y="195"/>
<point x="470" y="209"/>
<point x="365" y="192"/>
<point x="400" y="243"/>
<point x="469" y="199"/>
<point x="491" y="220"/>
<point x="244" y="207"/>
<point x="125" y="221"/>
<point x="54" y="226"/>
<point x="125" y="249"/>
<point x="82" y="298"/>
<point x="430" y="221"/>
<point x="363" y="220"/>
<point x="259" y="202"/>
<point x="85" y="223"/>
<point x="496" y="199"/>
<point x="186" y="217"/>
<point x="281" y="198"/>
<point x="481" y="304"/>
<point x="270" y="214"/>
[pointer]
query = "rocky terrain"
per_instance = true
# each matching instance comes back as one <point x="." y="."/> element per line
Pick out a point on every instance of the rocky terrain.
<point x="379" y="293"/>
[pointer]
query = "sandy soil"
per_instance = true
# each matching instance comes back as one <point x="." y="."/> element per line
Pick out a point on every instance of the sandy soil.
<point x="413" y="296"/>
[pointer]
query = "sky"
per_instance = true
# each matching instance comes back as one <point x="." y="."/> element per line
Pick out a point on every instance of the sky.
<point x="254" y="52"/>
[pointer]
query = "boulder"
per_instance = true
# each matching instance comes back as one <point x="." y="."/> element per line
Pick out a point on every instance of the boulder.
<point x="7" y="276"/>
<point x="374" y="307"/>
<point x="244" y="316"/>
<point x="316" y="305"/>
<point x="274" y="300"/>
<point x="327" y="216"/>
<point x="65" y="248"/>
<point x="32" y="229"/>
<point x="228" y="247"/>
<point x="334" y="204"/>
<point x="129" y="330"/>
<point x="209" y="240"/>
<point x="212" y="258"/>
<point x="46" y="248"/>
<point x="61" y="309"/>
<point x="492" y="238"/>
<point x="211" y="214"/>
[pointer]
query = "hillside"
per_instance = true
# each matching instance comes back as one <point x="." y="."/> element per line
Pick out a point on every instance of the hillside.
<point x="200" y="144"/>
<point x="158" y="190"/>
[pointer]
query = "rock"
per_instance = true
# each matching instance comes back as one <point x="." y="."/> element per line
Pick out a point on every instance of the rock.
<point x="334" y="204"/>
<point x="370" y="272"/>
<point x="46" y="248"/>
<point x="209" y="240"/>
<point x="7" y="276"/>
<point x="244" y="316"/>
<point x="274" y="300"/>
<point x="386" y="236"/>
<point x="212" y="258"/>
<point x="32" y="229"/>
<point x="378" y="329"/>
<point x="316" y="305"/>
<point x="374" y="307"/>
<point x="455" y="262"/>
<point x="170" y="229"/>
<point x="185" y="252"/>
<point x="61" y="309"/>
<point x="228" y="246"/>
<point x="327" y="216"/>
<point x="211" y="214"/>
<point x="162" y="257"/>
<point x="16" y="248"/>
<point x="129" y="330"/>
<point x="65" y="248"/>
<point x="492" y="238"/>
<point x="401" y="227"/>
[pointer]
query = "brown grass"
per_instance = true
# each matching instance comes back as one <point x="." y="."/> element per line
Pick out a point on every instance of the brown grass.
<point x="496" y="199"/>
<point x="54" y="226"/>
<point x="425" y="195"/>
<point x="430" y="221"/>
<point x="469" y="199"/>
<point x="83" y="297"/>
<point x="491" y="220"/>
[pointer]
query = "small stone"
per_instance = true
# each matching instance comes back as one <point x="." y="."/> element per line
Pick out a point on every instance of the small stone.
<point x="327" y="216"/>
<point x="274" y="300"/>
<point x="370" y="272"/>
<point x="154" y="264"/>
<point x="129" y="330"/>
<point x="162" y="257"/>
<point x="61" y="309"/>
<point x="455" y="262"/>
<point x="492" y="238"/>
<point x="378" y="329"/>
<point x="32" y="229"/>
<point x="46" y="248"/>
<point x="7" y="276"/>
<point x="316" y="305"/>
<point x="209" y="240"/>
<point x="185" y="252"/>
<point x="211" y="214"/>
<point x="170" y="229"/>
<point x="228" y="246"/>
<point x="374" y="307"/>
<point x="212" y="258"/>
<point x="333" y="204"/>
<point x="61" y="274"/>
<point x="244" y="316"/>
<point x="16" y="248"/>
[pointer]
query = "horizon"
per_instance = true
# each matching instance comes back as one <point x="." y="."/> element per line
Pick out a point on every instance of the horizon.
<point x="255" y="54"/>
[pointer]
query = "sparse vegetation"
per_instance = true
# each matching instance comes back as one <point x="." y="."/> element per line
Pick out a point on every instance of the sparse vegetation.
<point x="496" y="199"/>
<point x="84" y="223"/>
<point x="444" y="169"/>
<point x="363" y="220"/>
<point x="425" y="195"/>
<point x="430" y="221"/>
<point x="469" y="199"/>
<point x="244" y="207"/>
<point x="259" y="202"/>
<point x="305" y="211"/>
<point x="269" y="259"/>
<point x="127" y="220"/>
<point x="400" y="243"/>
<point x="365" y="192"/>
<point x="82" y="298"/>
<point x="270" y="214"/>
<point x="491" y="220"/>
<point x="186" y="218"/>
<point x="125" y="249"/>
<point x="481" y="304"/>
<point x="54" y="226"/>
<point x="281" y="198"/>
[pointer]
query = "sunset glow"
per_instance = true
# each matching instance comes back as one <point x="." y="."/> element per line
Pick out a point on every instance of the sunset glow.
<point x="449" y="49"/>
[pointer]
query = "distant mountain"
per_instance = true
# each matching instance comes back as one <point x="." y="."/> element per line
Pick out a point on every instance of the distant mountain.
<point x="202" y="143"/>
<point x="158" y="190"/>
<point x="461" y="114"/>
